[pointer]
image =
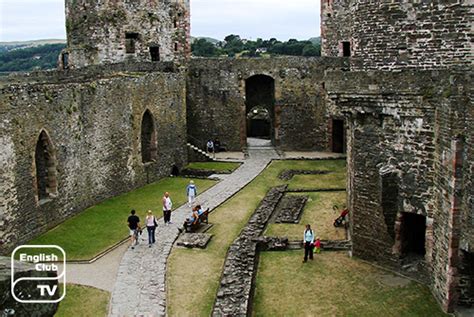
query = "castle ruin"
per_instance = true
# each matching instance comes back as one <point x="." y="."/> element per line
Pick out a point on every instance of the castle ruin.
<point x="393" y="89"/>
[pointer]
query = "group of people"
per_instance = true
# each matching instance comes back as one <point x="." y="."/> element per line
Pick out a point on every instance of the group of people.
<point x="150" y="222"/>
<point x="311" y="243"/>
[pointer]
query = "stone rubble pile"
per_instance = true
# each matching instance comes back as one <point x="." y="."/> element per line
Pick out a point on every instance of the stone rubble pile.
<point x="194" y="240"/>
<point x="290" y="208"/>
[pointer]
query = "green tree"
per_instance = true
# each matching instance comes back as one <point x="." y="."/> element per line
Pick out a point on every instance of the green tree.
<point x="310" y="50"/>
<point x="204" y="48"/>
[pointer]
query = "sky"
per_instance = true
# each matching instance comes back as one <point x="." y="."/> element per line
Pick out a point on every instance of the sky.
<point x="22" y="20"/>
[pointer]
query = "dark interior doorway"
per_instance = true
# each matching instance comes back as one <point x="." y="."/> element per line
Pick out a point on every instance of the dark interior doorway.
<point x="467" y="276"/>
<point x="346" y="49"/>
<point x="260" y="106"/>
<point x="338" y="137"/>
<point x="413" y="232"/>
<point x="130" y="41"/>
<point x="175" y="171"/>
<point x="148" y="138"/>
<point x="155" y="53"/>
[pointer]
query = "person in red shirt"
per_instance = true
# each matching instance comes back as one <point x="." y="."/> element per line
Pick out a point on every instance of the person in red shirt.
<point x="317" y="245"/>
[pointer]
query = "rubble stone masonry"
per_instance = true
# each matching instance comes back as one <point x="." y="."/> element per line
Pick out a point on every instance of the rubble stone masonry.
<point x="93" y="120"/>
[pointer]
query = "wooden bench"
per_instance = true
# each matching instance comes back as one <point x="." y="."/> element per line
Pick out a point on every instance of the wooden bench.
<point x="203" y="218"/>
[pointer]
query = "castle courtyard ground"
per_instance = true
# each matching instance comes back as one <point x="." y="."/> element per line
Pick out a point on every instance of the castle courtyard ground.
<point x="176" y="281"/>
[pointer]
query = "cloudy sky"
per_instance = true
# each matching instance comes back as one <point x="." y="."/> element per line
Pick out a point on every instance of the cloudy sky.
<point x="44" y="19"/>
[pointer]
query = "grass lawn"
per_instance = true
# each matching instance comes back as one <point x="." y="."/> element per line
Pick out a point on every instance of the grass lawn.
<point x="318" y="213"/>
<point x="83" y="301"/>
<point x="99" y="227"/>
<point x="335" y="285"/>
<point x="335" y="179"/>
<point x="214" y="166"/>
<point x="204" y="267"/>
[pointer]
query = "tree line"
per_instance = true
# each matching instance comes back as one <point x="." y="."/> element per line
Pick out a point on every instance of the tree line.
<point x="234" y="46"/>
<point x="28" y="59"/>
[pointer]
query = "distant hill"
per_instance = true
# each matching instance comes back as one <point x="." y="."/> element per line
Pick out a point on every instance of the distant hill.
<point x="28" y="56"/>
<point x="315" y="40"/>
<point x="9" y="46"/>
<point x="209" y="39"/>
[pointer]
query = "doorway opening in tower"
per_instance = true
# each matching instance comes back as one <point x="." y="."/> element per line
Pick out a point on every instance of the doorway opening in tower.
<point x="413" y="231"/>
<point x="260" y="109"/>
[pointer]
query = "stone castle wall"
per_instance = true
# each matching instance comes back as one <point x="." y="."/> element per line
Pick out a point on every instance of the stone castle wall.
<point x="336" y="21"/>
<point x="409" y="132"/>
<point x="216" y="100"/>
<point x="99" y="32"/>
<point x="398" y="34"/>
<point x="405" y="125"/>
<point x="94" y="125"/>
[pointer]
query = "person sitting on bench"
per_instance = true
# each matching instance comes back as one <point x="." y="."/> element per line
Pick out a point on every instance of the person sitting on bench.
<point x="194" y="217"/>
<point x="199" y="209"/>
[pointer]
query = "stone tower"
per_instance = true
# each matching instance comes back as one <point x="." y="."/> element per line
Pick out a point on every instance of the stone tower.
<point x="112" y="31"/>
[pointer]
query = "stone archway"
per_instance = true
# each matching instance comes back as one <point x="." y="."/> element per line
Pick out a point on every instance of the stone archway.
<point x="45" y="168"/>
<point x="148" y="138"/>
<point x="260" y="107"/>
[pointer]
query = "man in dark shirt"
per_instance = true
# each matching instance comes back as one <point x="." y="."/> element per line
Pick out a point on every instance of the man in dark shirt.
<point x="133" y="225"/>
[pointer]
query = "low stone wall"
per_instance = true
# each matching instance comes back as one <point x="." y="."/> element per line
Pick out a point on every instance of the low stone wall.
<point x="286" y="175"/>
<point x="283" y="244"/>
<point x="237" y="281"/>
<point x="8" y="305"/>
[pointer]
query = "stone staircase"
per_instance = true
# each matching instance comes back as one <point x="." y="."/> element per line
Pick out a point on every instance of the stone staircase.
<point x="200" y="152"/>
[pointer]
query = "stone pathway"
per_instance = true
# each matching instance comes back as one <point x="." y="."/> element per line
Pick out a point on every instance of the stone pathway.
<point x="140" y="288"/>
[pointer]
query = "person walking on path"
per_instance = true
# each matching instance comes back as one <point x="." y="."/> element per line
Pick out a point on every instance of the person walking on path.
<point x="191" y="191"/>
<point x="151" y="227"/>
<point x="308" y="241"/>
<point x="210" y="148"/>
<point x="134" y="226"/>
<point x="167" y="205"/>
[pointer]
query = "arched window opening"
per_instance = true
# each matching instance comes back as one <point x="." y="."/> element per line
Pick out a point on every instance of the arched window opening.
<point x="45" y="168"/>
<point x="148" y="138"/>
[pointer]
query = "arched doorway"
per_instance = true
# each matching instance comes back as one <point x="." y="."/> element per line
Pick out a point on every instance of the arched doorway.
<point x="45" y="167"/>
<point x="260" y="107"/>
<point x="148" y="138"/>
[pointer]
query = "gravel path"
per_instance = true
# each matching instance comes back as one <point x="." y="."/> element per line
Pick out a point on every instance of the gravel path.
<point x="140" y="288"/>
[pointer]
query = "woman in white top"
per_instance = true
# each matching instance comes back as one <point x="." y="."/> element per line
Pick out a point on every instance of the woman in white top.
<point x="308" y="242"/>
<point x="151" y="227"/>
<point x="167" y="205"/>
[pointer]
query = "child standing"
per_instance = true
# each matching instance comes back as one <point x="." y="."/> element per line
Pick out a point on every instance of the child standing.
<point x="317" y="246"/>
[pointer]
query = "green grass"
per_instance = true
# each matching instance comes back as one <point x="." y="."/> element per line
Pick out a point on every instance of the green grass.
<point x="335" y="285"/>
<point x="101" y="226"/>
<point x="83" y="301"/>
<point x="335" y="179"/>
<point x="214" y="166"/>
<point x="228" y="220"/>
